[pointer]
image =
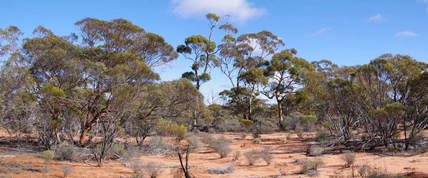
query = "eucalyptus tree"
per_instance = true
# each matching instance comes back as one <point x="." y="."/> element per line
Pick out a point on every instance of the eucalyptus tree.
<point x="96" y="76"/>
<point x="285" y="75"/>
<point x="244" y="60"/>
<point x="201" y="51"/>
<point x="9" y="40"/>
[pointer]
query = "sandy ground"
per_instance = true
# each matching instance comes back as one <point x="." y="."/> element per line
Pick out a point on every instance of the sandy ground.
<point x="284" y="154"/>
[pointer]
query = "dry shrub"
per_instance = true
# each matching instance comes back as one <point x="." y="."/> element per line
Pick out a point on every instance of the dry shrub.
<point x="194" y="142"/>
<point x="152" y="169"/>
<point x="221" y="145"/>
<point x="254" y="155"/>
<point x="315" y="150"/>
<point x="310" y="166"/>
<point x="158" y="146"/>
<point x="236" y="156"/>
<point x="206" y="137"/>
<point x="67" y="170"/>
<point x="257" y="140"/>
<point x="349" y="159"/>
<point x="226" y="170"/>
<point x="65" y="151"/>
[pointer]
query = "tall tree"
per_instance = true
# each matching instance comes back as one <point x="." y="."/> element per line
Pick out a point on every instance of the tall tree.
<point x="285" y="75"/>
<point x="201" y="51"/>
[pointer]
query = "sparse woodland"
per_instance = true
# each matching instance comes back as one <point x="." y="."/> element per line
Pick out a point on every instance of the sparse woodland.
<point x="96" y="91"/>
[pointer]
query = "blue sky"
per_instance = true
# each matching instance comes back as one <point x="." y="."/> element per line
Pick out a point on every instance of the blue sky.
<point x="348" y="32"/>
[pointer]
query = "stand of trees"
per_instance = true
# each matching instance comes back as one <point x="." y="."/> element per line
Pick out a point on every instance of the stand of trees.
<point x="99" y="82"/>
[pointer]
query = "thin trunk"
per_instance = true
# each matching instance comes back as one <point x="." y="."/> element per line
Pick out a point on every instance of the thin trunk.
<point x="280" y="114"/>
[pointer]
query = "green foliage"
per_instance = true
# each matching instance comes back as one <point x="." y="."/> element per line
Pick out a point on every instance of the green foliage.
<point x="48" y="155"/>
<point x="171" y="129"/>
<point x="52" y="90"/>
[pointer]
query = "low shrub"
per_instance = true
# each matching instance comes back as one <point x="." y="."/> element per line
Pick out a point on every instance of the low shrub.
<point x="254" y="155"/>
<point x="119" y="150"/>
<point x="65" y="151"/>
<point x="67" y="170"/>
<point x="48" y="155"/>
<point x="226" y="170"/>
<point x="322" y="137"/>
<point x="171" y="129"/>
<point x="158" y="146"/>
<point x="206" y="137"/>
<point x="152" y="169"/>
<point x="315" y="150"/>
<point x="257" y="140"/>
<point x="310" y="166"/>
<point x="349" y="159"/>
<point x="221" y="145"/>
<point x="194" y="142"/>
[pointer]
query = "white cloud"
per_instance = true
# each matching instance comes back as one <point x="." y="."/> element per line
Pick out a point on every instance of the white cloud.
<point x="321" y="31"/>
<point x="376" y="18"/>
<point x="238" y="10"/>
<point x="405" y="34"/>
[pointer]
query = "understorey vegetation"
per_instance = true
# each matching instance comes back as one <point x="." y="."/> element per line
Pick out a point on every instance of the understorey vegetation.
<point x="83" y="94"/>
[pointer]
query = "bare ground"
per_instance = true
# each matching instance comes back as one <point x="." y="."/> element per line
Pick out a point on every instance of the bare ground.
<point x="25" y="162"/>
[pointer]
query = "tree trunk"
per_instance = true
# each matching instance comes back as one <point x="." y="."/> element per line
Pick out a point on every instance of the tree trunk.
<point x="280" y="115"/>
<point x="82" y="138"/>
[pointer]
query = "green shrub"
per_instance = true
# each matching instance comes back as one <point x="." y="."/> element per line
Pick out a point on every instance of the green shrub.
<point x="48" y="155"/>
<point x="172" y="129"/>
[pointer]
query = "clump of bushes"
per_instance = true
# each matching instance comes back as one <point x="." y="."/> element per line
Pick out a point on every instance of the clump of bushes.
<point x="65" y="151"/>
<point x="48" y="155"/>
<point x="255" y="154"/>
<point x="226" y="170"/>
<point x="310" y="166"/>
<point x="158" y="146"/>
<point x="366" y="171"/>
<point x="315" y="150"/>
<point x="220" y="145"/>
<point x="171" y="129"/>
<point x="349" y="159"/>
